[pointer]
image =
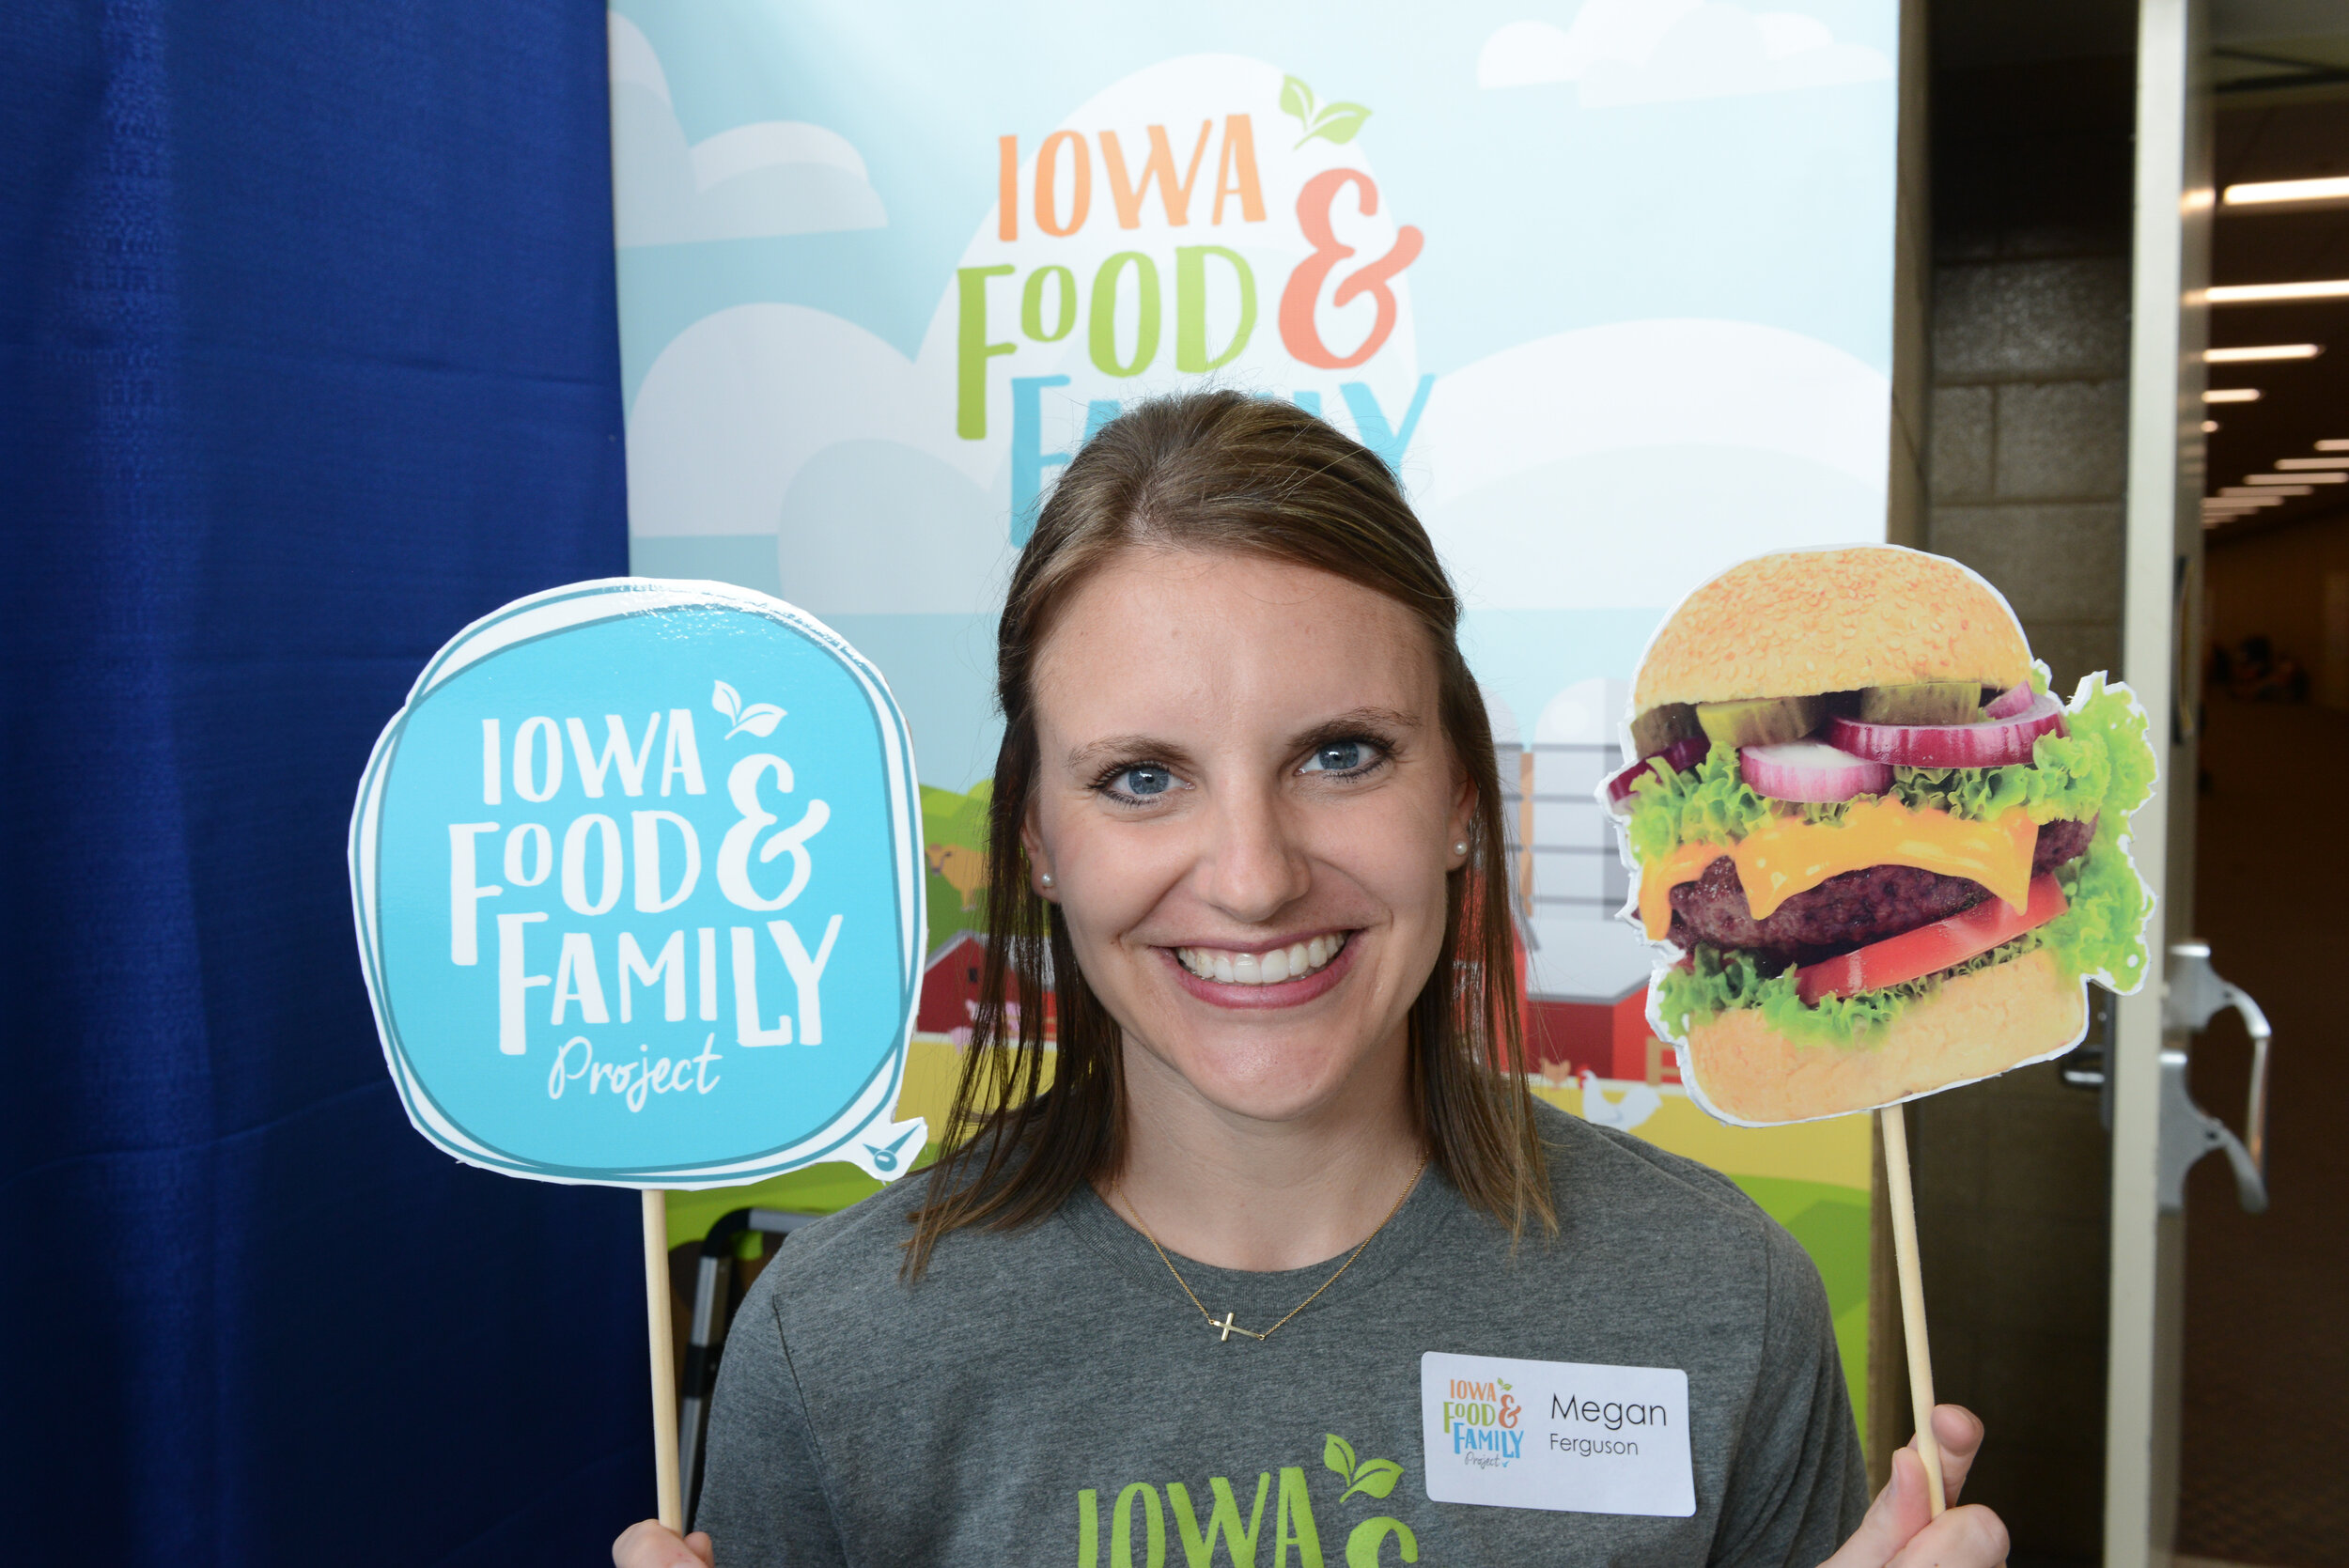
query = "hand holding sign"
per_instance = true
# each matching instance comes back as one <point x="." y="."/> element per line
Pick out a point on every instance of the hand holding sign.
<point x="1906" y="1524"/>
<point x="611" y="940"/>
<point x="1885" y="859"/>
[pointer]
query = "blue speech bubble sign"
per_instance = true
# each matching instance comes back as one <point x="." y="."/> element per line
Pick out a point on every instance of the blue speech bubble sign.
<point x="637" y="873"/>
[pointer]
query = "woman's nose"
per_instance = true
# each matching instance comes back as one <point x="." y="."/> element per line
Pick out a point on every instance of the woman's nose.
<point x="1254" y="866"/>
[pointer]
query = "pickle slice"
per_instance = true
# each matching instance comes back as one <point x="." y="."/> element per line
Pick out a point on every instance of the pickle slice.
<point x="1761" y="720"/>
<point x="1936" y="702"/>
<point x="1656" y="730"/>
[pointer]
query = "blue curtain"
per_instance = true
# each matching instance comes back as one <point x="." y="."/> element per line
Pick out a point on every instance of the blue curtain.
<point x="307" y="357"/>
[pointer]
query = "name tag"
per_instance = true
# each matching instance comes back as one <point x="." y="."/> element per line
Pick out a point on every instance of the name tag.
<point x="1558" y="1435"/>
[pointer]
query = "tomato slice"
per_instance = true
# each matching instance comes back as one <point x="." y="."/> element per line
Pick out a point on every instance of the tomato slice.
<point x="1927" y="950"/>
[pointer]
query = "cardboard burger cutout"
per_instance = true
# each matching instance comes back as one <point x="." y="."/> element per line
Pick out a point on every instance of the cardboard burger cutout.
<point x="1880" y="857"/>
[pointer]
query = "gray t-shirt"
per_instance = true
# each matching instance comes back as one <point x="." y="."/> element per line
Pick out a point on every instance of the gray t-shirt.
<point x="1049" y="1396"/>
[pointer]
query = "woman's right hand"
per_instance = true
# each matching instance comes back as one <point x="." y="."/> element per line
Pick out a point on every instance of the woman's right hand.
<point x="649" y="1543"/>
<point x="1900" y="1531"/>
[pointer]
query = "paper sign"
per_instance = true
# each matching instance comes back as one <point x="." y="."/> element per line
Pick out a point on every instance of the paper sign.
<point x="637" y="873"/>
<point x="1877" y="857"/>
<point x="1567" y="1435"/>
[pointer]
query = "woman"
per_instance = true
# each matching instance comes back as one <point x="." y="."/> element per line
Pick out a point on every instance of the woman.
<point x="1246" y="837"/>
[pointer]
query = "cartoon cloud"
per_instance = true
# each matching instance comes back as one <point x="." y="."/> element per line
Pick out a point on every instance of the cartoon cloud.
<point x="1884" y="860"/>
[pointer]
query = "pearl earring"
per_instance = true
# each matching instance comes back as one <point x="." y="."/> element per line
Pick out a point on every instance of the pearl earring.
<point x="1461" y="847"/>
<point x="1046" y="879"/>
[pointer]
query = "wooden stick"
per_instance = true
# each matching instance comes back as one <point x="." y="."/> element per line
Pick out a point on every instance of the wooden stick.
<point x="1903" y="1203"/>
<point x="662" y="1338"/>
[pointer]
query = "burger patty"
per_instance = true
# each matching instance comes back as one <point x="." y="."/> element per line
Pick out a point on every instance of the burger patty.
<point x="1846" y="911"/>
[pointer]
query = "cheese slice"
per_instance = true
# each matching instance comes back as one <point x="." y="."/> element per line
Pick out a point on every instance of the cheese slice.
<point x="1789" y="855"/>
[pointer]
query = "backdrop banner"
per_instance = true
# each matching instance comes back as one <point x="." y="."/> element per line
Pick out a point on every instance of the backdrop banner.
<point x="1610" y="285"/>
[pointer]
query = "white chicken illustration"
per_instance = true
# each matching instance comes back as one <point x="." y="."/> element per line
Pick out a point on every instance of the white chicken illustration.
<point x="1636" y="1103"/>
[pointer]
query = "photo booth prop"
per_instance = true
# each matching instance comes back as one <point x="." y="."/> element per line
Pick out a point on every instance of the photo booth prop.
<point x="638" y="879"/>
<point x="1879" y="858"/>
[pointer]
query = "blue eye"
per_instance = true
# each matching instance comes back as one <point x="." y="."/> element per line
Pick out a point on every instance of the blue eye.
<point x="1144" y="782"/>
<point x="1340" y="756"/>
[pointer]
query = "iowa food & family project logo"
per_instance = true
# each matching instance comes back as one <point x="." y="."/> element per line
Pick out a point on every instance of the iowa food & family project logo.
<point x="1078" y="295"/>
<point x="1485" y="1421"/>
<point x="1137" y="1519"/>
<point x="589" y="911"/>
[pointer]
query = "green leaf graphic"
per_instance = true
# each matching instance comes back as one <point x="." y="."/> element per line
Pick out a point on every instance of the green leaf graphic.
<point x="1377" y="1478"/>
<point x="1338" y="123"/>
<point x="1339" y="1455"/>
<point x="1297" y="99"/>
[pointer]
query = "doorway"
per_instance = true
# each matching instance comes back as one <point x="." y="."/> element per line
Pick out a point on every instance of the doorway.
<point x="2266" y="1380"/>
<point x="2266" y="1395"/>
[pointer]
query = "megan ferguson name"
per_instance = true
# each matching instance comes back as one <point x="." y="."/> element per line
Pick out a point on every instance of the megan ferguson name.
<point x="1612" y="1416"/>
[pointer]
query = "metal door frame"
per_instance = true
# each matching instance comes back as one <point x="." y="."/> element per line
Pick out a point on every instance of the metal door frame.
<point x="2167" y="332"/>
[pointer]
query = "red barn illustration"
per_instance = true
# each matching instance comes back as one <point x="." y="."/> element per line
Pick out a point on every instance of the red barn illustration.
<point x="1581" y="972"/>
<point x="950" y="990"/>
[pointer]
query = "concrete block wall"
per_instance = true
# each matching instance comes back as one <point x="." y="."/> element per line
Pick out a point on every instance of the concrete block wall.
<point x="2028" y="444"/>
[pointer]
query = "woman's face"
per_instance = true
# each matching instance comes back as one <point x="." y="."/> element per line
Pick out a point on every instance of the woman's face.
<point x="1247" y="807"/>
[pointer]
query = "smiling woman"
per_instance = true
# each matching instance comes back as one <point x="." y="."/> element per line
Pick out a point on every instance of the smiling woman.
<point x="1227" y="661"/>
<point x="1246" y="837"/>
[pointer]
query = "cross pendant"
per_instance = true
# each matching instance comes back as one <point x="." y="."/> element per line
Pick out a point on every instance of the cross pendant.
<point x="1230" y="1328"/>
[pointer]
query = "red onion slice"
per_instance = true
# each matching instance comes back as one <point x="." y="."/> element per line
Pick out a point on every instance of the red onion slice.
<point x="1681" y="755"/>
<point x="1811" y="771"/>
<point x="2011" y="704"/>
<point x="1996" y="743"/>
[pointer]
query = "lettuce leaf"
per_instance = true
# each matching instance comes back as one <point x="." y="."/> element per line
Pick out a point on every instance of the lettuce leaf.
<point x="2102" y="936"/>
<point x="1708" y="803"/>
<point x="2117" y="721"/>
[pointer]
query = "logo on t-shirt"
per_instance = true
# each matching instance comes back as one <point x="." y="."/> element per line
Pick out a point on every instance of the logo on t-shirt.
<point x="1223" y="1523"/>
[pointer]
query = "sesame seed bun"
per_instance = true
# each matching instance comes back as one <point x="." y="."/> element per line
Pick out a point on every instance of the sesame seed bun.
<point x="1971" y="1028"/>
<point x="1807" y="621"/>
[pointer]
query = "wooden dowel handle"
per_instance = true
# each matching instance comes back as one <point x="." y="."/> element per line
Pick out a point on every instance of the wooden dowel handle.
<point x="1903" y="1196"/>
<point x="661" y="1339"/>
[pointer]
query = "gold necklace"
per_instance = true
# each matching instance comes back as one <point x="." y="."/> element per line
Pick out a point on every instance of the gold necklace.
<point x="1225" y="1327"/>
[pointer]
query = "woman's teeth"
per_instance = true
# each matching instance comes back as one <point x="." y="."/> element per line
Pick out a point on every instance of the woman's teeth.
<point x="1260" y="968"/>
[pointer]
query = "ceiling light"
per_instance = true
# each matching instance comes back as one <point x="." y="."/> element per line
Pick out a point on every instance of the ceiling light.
<point x="2333" y="446"/>
<point x="2263" y="293"/>
<point x="2312" y="462"/>
<point x="2232" y="394"/>
<point x="2265" y="352"/>
<point x="2209" y="425"/>
<point x="2261" y="498"/>
<point x="2260" y="192"/>
<point x="2294" y="484"/>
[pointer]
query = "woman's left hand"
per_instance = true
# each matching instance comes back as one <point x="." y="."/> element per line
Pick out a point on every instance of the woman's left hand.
<point x="1900" y="1531"/>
